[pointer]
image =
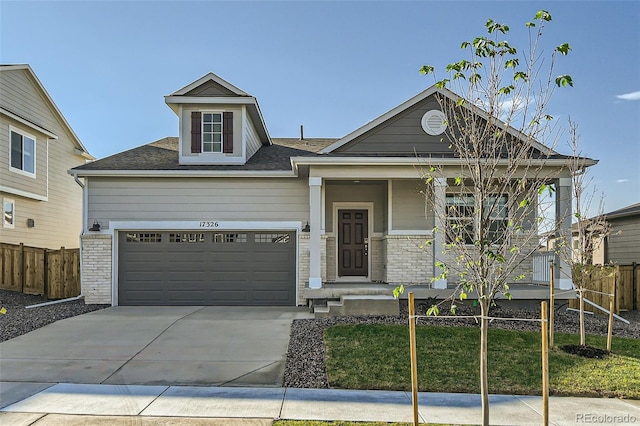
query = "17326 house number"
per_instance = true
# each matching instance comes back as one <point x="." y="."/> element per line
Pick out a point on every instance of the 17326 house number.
<point x="209" y="224"/>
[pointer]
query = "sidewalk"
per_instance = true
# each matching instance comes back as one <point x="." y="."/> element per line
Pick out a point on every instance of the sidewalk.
<point x="89" y="404"/>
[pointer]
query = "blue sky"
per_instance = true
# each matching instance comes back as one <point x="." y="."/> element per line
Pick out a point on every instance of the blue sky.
<point x="331" y="66"/>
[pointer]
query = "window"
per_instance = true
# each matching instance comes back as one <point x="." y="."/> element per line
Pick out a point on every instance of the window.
<point x="212" y="132"/>
<point x="460" y="217"/>
<point x="8" y="213"/>
<point x="23" y="152"/>
<point x="229" y="238"/>
<point x="460" y="210"/>
<point x="272" y="238"/>
<point x="186" y="238"/>
<point x="144" y="237"/>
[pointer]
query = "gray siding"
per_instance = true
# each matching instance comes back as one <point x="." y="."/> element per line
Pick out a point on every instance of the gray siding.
<point x="58" y="221"/>
<point x="623" y="246"/>
<point x="374" y="191"/>
<point x="182" y="199"/>
<point x="410" y="211"/>
<point x="400" y="134"/>
<point x="252" y="139"/>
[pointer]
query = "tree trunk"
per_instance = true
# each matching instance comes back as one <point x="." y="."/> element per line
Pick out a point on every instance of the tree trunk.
<point x="484" y="382"/>
<point x="582" y="332"/>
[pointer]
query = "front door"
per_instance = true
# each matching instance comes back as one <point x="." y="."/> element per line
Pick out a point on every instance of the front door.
<point x="353" y="243"/>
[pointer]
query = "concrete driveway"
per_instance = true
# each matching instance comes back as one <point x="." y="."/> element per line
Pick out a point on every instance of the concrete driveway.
<point x="212" y="346"/>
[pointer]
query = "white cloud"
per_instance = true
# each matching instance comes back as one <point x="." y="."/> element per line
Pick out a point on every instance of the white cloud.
<point x="622" y="180"/>
<point x="632" y="96"/>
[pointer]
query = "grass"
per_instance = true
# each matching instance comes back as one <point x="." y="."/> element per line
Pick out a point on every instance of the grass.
<point x="377" y="357"/>
<point x="342" y="423"/>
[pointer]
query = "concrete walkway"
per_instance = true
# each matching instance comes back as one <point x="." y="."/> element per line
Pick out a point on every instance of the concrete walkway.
<point x="92" y="404"/>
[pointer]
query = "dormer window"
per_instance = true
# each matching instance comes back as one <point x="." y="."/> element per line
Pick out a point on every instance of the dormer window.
<point x="212" y="132"/>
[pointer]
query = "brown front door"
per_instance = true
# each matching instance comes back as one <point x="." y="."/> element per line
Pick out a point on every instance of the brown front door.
<point x="353" y="243"/>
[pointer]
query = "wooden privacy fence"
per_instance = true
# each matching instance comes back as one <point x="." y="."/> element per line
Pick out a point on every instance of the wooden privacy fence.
<point x="623" y="281"/>
<point x="32" y="270"/>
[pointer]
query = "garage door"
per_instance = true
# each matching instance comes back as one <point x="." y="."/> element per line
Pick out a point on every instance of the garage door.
<point x="206" y="268"/>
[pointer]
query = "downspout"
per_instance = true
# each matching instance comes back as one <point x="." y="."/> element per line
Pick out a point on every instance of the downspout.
<point x="84" y="221"/>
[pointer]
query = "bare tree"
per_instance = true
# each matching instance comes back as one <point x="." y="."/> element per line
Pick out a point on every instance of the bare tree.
<point x="486" y="209"/>
<point x="589" y="232"/>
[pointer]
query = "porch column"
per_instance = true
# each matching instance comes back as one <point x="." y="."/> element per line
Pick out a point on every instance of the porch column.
<point x="439" y="208"/>
<point x="315" y="218"/>
<point x="564" y="218"/>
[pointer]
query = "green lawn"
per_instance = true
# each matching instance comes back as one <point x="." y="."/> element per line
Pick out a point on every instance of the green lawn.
<point x="377" y="357"/>
<point x="341" y="423"/>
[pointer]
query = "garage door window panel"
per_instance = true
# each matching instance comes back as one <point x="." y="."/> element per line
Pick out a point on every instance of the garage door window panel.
<point x="186" y="238"/>
<point x="144" y="238"/>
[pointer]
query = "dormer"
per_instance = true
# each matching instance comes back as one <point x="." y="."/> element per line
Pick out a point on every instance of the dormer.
<point x="219" y="123"/>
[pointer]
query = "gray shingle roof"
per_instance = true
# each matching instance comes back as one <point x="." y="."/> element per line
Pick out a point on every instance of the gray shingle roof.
<point x="163" y="155"/>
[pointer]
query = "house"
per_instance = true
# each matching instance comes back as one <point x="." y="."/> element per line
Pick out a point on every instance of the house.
<point x="225" y="214"/>
<point x="622" y="246"/>
<point x="42" y="204"/>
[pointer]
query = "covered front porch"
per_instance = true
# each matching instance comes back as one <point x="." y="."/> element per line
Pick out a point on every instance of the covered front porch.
<point x="368" y="235"/>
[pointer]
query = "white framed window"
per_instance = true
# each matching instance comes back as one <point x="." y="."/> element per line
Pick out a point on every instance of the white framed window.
<point x="460" y="217"/>
<point x="212" y="132"/>
<point x="23" y="152"/>
<point x="8" y="213"/>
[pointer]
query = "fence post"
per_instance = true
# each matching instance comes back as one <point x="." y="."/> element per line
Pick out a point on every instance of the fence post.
<point x="63" y="272"/>
<point x="45" y="290"/>
<point x="634" y="286"/>
<point x="22" y="267"/>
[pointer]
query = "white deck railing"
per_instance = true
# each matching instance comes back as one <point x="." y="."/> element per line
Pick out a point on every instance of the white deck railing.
<point x="541" y="264"/>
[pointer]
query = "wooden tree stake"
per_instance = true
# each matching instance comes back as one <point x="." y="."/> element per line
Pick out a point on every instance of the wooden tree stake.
<point x="414" y="359"/>
<point x="545" y="366"/>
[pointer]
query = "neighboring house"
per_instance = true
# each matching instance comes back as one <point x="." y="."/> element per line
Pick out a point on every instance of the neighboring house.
<point x="622" y="246"/>
<point x="224" y="214"/>
<point x="42" y="204"/>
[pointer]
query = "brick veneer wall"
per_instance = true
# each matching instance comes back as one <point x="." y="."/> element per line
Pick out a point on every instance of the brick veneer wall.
<point x="95" y="277"/>
<point x="406" y="262"/>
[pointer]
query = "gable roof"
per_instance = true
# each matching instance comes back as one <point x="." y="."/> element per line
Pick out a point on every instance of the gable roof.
<point x="205" y="79"/>
<point x="162" y="156"/>
<point x="229" y="95"/>
<point x="431" y="91"/>
<point x="74" y="138"/>
<point x="631" y="210"/>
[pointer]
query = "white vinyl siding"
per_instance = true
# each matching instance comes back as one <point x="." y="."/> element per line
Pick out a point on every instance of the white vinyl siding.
<point x="182" y="199"/>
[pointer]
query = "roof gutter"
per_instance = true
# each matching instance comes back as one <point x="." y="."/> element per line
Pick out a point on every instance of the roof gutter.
<point x="407" y="161"/>
<point x="183" y="173"/>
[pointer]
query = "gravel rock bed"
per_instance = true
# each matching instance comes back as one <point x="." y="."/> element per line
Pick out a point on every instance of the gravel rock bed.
<point x="305" y="366"/>
<point x="18" y="320"/>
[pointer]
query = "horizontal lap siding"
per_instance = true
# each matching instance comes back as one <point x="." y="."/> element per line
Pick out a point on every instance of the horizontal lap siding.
<point x="401" y="134"/>
<point x="246" y="199"/>
<point x="58" y="221"/>
<point x="624" y="242"/>
<point x="410" y="211"/>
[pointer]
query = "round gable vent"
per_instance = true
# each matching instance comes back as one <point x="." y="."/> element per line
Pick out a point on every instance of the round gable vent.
<point x="434" y="122"/>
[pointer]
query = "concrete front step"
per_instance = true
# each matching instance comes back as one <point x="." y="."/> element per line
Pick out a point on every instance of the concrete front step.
<point x="358" y="305"/>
